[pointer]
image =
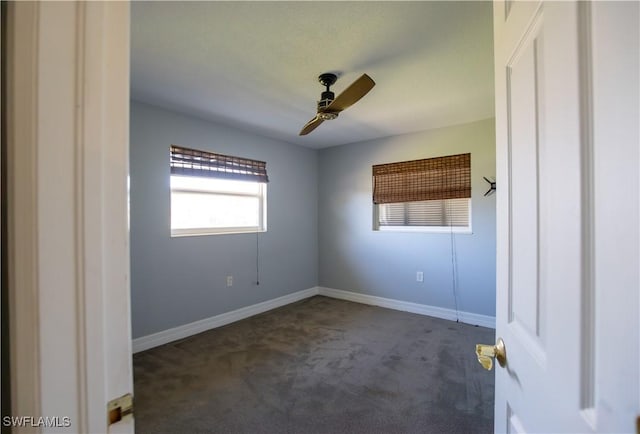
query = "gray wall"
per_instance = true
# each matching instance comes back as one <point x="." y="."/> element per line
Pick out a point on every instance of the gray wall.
<point x="353" y="257"/>
<point x="175" y="281"/>
<point x="319" y="225"/>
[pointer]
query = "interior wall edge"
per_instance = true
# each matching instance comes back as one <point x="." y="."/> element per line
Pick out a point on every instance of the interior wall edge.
<point x="173" y="334"/>
<point x="406" y="306"/>
<point x="184" y="331"/>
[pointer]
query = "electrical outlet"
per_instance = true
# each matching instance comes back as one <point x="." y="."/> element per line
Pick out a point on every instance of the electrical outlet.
<point x="229" y="280"/>
<point x="419" y="276"/>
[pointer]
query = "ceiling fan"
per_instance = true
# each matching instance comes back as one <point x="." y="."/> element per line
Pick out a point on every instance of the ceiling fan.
<point x="330" y="106"/>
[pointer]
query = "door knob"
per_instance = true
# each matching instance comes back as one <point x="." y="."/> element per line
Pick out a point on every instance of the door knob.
<point x="486" y="353"/>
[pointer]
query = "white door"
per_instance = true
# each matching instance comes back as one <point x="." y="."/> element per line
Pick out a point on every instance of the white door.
<point x="567" y="369"/>
<point x="67" y="167"/>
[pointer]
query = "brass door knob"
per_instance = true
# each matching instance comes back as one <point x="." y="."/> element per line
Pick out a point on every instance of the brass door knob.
<point x="486" y="353"/>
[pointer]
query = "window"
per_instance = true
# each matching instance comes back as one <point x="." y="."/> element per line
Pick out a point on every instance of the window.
<point x="216" y="194"/>
<point x="443" y="215"/>
<point x="430" y="195"/>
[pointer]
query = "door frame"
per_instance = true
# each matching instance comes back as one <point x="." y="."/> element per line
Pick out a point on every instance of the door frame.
<point x="94" y="193"/>
<point x="67" y="174"/>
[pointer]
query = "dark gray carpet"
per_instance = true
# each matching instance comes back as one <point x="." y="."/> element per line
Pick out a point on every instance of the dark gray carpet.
<point x="319" y="366"/>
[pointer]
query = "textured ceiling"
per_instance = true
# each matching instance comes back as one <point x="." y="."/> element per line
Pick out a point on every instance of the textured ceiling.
<point x="254" y="65"/>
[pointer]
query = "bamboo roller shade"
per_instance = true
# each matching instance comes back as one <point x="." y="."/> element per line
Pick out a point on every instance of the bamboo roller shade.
<point x="191" y="162"/>
<point x="432" y="178"/>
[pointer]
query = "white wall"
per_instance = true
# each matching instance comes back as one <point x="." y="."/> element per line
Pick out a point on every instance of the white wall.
<point x="353" y="257"/>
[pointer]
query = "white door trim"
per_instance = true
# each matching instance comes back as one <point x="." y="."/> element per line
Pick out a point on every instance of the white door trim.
<point x="68" y="128"/>
<point x="21" y="196"/>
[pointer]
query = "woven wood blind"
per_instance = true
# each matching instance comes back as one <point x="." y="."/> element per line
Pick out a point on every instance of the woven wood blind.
<point x="191" y="162"/>
<point x="428" y="179"/>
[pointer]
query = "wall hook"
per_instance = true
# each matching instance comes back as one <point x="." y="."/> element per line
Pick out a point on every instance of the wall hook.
<point x="492" y="186"/>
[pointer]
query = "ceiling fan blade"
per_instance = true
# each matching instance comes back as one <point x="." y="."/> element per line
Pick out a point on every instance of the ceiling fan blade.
<point x="352" y="94"/>
<point x="311" y="125"/>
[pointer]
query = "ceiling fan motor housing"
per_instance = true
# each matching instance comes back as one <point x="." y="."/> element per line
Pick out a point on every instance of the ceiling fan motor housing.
<point x="327" y="97"/>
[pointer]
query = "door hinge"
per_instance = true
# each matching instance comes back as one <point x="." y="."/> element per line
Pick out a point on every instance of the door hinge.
<point x="119" y="409"/>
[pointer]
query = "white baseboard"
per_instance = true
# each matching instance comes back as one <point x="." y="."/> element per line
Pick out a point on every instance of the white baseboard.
<point x="183" y="331"/>
<point x="422" y="309"/>
<point x="164" y="337"/>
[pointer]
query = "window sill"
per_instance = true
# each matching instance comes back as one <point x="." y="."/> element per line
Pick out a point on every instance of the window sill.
<point x="178" y="233"/>
<point x="425" y="229"/>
